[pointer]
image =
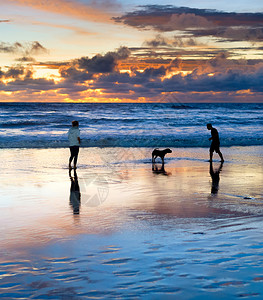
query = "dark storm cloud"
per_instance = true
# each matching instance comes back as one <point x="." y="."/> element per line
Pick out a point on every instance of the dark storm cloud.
<point x="73" y="74"/>
<point x="29" y="84"/>
<point x="84" y="68"/>
<point x="103" y="63"/>
<point x="252" y="34"/>
<point x="230" y="81"/>
<point x="198" y="22"/>
<point x="150" y="83"/>
<point x="22" y="79"/>
<point x="14" y="72"/>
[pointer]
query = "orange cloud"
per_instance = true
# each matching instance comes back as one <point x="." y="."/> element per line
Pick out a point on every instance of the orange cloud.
<point x="67" y="7"/>
<point x="76" y="29"/>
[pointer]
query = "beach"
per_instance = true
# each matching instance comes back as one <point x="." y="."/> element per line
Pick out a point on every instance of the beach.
<point x="121" y="228"/>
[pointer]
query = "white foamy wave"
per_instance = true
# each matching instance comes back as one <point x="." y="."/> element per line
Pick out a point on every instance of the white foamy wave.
<point x="35" y="125"/>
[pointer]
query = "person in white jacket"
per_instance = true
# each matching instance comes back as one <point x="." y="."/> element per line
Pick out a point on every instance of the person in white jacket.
<point x="74" y="142"/>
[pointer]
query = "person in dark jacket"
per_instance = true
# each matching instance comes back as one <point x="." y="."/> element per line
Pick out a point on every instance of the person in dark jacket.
<point x="215" y="145"/>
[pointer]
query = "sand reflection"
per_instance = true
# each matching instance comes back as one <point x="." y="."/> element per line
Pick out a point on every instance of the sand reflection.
<point x="75" y="194"/>
<point x="45" y="205"/>
<point x="214" y="173"/>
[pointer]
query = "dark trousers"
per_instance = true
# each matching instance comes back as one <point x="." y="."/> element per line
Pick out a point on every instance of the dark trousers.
<point x="74" y="152"/>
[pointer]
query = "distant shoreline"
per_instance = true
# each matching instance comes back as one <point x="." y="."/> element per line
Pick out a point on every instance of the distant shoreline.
<point x="160" y="102"/>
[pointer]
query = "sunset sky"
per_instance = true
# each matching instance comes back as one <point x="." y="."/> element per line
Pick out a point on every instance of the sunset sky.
<point x="124" y="51"/>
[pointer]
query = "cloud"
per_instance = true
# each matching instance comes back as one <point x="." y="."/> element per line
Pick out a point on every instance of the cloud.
<point x="109" y="5"/>
<point x="29" y="84"/>
<point x="185" y="21"/>
<point x="73" y="74"/>
<point x="161" y="41"/>
<point x="10" y="48"/>
<point x="86" y="76"/>
<point x="77" y="74"/>
<point x="25" y="50"/>
<point x="158" y="41"/>
<point x="232" y="80"/>
<point x="31" y="48"/>
<point x="75" y="29"/>
<point x="36" y="48"/>
<point x="14" y="72"/>
<point x="25" y="59"/>
<point x="94" y="11"/>
<point x="103" y="63"/>
<point x="243" y="34"/>
<point x="148" y="83"/>
<point x="5" y="21"/>
<point x="152" y="86"/>
<point x="21" y="79"/>
<point x="197" y="22"/>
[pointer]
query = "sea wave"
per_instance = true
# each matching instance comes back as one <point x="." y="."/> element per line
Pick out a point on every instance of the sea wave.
<point x="45" y="125"/>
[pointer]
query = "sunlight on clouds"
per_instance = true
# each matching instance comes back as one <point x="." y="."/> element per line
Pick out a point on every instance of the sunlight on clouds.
<point x="181" y="72"/>
<point x="248" y="91"/>
<point x="84" y="53"/>
<point x="71" y="8"/>
<point x="42" y="72"/>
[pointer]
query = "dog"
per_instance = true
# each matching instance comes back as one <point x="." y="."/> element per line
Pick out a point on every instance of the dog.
<point x="161" y="153"/>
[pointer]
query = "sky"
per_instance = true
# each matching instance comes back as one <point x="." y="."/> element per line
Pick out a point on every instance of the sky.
<point x="131" y="51"/>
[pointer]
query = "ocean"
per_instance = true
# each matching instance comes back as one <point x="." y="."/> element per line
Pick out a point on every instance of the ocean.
<point x="118" y="226"/>
<point x="45" y="125"/>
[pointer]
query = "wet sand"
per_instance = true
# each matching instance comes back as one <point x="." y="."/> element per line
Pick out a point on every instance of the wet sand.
<point x="122" y="228"/>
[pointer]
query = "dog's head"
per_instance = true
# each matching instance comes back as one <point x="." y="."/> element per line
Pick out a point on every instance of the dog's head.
<point x="168" y="150"/>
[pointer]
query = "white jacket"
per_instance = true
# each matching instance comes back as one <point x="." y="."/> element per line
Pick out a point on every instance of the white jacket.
<point x="73" y="135"/>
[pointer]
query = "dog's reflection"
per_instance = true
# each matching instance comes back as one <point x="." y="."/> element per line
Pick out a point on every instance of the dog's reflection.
<point x="214" y="173"/>
<point x="74" y="198"/>
<point x="159" y="170"/>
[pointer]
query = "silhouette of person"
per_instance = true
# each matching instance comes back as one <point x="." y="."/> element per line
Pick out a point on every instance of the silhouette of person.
<point x="75" y="195"/>
<point x="215" y="177"/>
<point x="215" y="145"/>
<point x="74" y="142"/>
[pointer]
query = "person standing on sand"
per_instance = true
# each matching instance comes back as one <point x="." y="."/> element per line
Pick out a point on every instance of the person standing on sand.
<point x="74" y="142"/>
<point x="215" y="142"/>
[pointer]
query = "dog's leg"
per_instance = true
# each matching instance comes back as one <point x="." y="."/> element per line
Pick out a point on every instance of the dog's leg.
<point x="153" y="159"/>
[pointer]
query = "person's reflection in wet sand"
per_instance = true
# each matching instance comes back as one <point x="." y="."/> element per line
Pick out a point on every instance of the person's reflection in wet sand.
<point x="214" y="173"/>
<point x="157" y="170"/>
<point x="74" y="198"/>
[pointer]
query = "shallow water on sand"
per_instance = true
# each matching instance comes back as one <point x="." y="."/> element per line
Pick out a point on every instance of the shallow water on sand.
<point x="119" y="228"/>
